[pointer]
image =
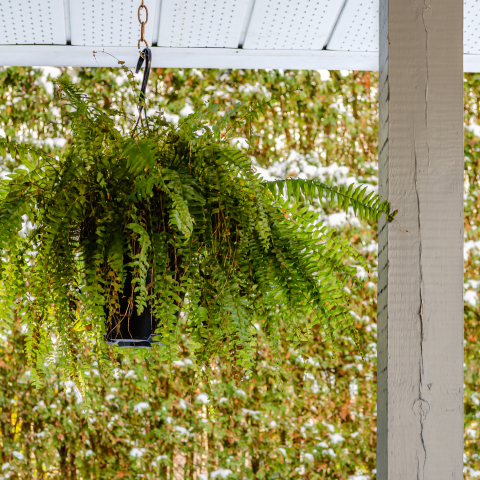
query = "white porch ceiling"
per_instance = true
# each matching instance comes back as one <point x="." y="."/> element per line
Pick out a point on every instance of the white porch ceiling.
<point x="332" y="34"/>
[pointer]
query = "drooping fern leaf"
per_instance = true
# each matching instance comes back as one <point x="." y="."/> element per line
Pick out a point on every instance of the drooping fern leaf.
<point x="367" y="206"/>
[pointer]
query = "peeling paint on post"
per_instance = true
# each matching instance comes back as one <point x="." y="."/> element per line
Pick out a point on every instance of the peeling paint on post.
<point x="420" y="292"/>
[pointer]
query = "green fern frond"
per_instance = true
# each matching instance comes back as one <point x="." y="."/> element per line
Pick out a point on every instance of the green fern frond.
<point x="367" y="206"/>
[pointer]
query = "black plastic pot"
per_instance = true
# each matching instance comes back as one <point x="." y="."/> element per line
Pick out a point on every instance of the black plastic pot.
<point x="127" y="328"/>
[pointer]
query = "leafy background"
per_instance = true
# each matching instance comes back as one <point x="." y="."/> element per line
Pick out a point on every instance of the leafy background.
<point x="321" y="422"/>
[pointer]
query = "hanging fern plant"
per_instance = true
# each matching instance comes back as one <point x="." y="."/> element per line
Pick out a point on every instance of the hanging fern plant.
<point x="172" y="221"/>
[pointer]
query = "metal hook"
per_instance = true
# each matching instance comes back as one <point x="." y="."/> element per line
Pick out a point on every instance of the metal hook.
<point x="147" y="56"/>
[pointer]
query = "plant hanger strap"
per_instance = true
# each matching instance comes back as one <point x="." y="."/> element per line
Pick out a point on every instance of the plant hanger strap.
<point x="147" y="56"/>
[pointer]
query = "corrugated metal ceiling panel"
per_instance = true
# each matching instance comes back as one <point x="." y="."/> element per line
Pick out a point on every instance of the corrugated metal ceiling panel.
<point x="471" y="26"/>
<point x="202" y="23"/>
<point x="39" y="22"/>
<point x="109" y="23"/>
<point x="303" y="24"/>
<point x="357" y="29"/>
<point x="206" y="33"/>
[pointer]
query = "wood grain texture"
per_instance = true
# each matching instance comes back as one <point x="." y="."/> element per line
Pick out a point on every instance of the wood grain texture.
<point x="420" y="293"/>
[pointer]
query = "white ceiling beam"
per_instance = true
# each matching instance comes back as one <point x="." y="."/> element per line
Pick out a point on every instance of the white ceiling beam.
<point x="59" y="55"/>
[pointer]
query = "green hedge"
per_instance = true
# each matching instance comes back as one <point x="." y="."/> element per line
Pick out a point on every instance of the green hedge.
<point x="163" y="421"/>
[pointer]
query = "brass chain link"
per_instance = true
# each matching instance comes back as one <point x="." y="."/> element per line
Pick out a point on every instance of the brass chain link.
<point x="142" y="26"/>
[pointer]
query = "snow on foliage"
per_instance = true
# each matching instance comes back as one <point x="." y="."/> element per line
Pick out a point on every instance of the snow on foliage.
<point x="140" y="407"/>
<point x="203" y="398"/>
<point x="222" y="473"/>
<point x="137" y="452"/>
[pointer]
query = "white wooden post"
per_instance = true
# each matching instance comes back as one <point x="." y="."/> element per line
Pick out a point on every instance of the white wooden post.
<point x="420" y="292"/>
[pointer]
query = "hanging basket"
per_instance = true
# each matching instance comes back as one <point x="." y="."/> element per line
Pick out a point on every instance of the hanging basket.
<point x="190" y="210"/>
<point x="127" y="328"/>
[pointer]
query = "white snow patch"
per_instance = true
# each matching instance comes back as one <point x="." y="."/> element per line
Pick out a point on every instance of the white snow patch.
<point x="329" y="426"/>
<point x="340" y="219"/>
<point x="473" y="284"/>
<point x="474" y="128"/>
<point x="353" y="388"/>
<point x="41" y="404"/>
<point x="324" y="74"/>
<point x="247" y="88"/>
<point x="183" y="431"/>
<point x="253" y="413"/>
<point x="54" y="142"/>
<point x="336" y="438"/>
<point x="186" y="110"/>
<point x="53" y="72"/>
<point x="223" y="473"/>
<point x="140" y="407"/>
<point x="470" y="245"/>
<point x="239" y="142"/>
<point x="137" y="452"/>
<point x="202" y="397"/>
<point x="172" y="118"/>
<point x="361" y="272"/>
<point x="471" y="472"/>
<point x="313" y="362"/>
<point x="471" y="297"/>
<point x="69" y="386"/>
